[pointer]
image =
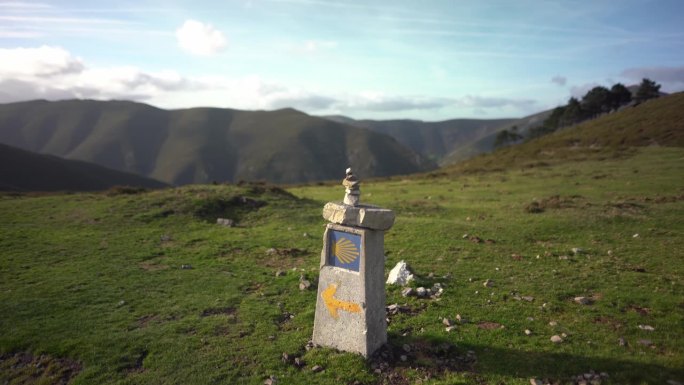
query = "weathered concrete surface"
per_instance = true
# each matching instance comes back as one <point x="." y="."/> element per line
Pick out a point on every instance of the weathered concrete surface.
<point x="366" y="216"/>
<point x="350" y="306"/>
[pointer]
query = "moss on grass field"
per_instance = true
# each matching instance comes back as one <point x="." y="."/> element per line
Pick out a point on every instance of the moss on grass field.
<point x="144" y="288"/>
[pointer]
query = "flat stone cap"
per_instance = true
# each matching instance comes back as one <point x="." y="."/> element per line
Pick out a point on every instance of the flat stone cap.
<point x="367" y="216"/>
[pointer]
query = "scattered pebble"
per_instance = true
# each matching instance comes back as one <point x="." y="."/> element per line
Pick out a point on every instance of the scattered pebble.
<point x="527" y="298"/>
<point x="225" y="222"/>
<point x="121" y="303"/>
<point x="279" y="273"/>
<point x="186" y="267"/>
<point x="317" y="368"/>
<point x="447" y="322"/>
<point x="622" y="341"/>
<point x="298" y="362"/>
<point x="407" y="291"/>
<point x="556" y="339"/>
<point x="403" y="358"/>
<point x="647" y="328"/>
<point x="450" y="328"/>
<point x="488" y="283"/>
<point x="528" y="332"/>
<point x="577" y="250"/>
<point x="421" y="292"/>
<point x="271" y="251"/>
<point x="635" y="235"/>
<point x="583" y="300"/>
<point x="304" y="284"/>
<point x="645" y="342"/>
<point x="534" y="381"/>
<point x="407" y="348"/>
<point x="271" y="380"/>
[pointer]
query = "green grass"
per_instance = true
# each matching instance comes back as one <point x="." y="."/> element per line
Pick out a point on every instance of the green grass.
<point x="97" y="278"/>
<point x="657" y="122"/>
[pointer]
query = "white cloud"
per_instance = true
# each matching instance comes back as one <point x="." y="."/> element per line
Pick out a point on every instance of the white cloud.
<point x="672" y="78"/>
<point x="496" y="102"/>
<point x="309" y="46"/>
<point x="55" y="73"/>
<point x="23" y="4"/>
<point x="560" y="80"/>
<point x="43" y="61"/>
<point x="317" y="45"/>
<point x="199" y="38"/>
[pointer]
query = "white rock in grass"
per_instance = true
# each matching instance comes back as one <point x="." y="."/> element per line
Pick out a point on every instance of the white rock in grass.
<point x="556" y="339"/>
<point x="400" y="275"/>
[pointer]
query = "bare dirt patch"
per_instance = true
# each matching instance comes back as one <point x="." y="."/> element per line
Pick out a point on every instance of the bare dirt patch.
<point x="556" y="202"/>
<point x="401" y="363"/>
<point x="229" y="311"/>
<point x="25" y="368"/>
<point x="152" y="266"/>
<point x="625" y="208"/>
<point x="487" y="325"/>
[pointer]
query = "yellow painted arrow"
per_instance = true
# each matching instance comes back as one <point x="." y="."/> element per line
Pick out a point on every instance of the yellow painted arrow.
<point x="334" y="304"/>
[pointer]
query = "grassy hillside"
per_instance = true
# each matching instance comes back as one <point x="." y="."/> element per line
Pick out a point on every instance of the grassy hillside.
<point x="486" y="143"/>
<point x="658" y="122"/>
<point x="147" y="289"/>
<point x="201" y="145"/>
<point x="22" y="170"/>
<point x="434" y="140"/>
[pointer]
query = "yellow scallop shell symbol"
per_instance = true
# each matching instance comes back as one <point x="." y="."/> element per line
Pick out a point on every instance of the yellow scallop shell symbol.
<point x="345" y="250"/>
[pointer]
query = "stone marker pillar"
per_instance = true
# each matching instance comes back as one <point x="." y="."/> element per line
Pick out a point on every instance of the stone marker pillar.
<point x="350" y="306"/>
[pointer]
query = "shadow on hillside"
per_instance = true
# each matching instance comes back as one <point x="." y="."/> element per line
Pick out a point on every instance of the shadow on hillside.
<point x="434" y="357"/>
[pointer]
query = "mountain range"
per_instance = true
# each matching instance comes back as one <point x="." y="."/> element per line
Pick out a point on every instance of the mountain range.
<point x="201" y="145"/>
<point x="449" y="141"/>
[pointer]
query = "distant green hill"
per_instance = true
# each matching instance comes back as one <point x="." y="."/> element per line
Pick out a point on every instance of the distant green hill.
<point x="435" y="140"/>
<point x="22" y="170"/>
<point x="449" y="141"/>
<point x="200" y="145"/>
<point x="485" y="143"/>
<point x="657" y="122"/>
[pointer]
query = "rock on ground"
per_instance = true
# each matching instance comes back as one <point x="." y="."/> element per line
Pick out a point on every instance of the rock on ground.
<point x="400" y="274"/>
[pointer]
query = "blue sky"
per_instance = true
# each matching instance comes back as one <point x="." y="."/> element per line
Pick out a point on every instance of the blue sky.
<point x="429" y="60"/>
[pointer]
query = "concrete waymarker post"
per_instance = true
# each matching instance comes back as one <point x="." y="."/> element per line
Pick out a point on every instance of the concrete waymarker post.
<point x="350" y="306"/>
